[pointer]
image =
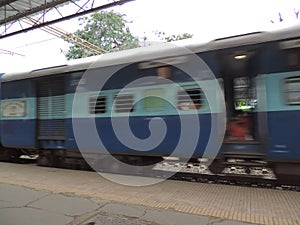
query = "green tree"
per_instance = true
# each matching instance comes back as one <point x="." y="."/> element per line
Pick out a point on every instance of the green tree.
<point x="107" y="30"/>
<point x="174" y="37"/>
<point x="178" y="37"/>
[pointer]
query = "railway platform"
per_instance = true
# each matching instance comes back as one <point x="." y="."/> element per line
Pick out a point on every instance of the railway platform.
<point x="58" y="196"/>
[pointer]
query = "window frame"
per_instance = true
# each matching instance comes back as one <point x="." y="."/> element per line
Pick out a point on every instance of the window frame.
<point x="287" y="91"/>
<point x="118" y="110"/>
<point x="94" y="103"/>
<point x="189" y="107"/>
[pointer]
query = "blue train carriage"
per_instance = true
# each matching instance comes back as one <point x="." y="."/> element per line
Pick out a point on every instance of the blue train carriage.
<point x="269" y="97"/>
<point x="39" y="106"/>
<point x="7" y="154"/>
<point x="258" y="73"/>
<point x="4" y="154"/>
<point x="261" y="89"/>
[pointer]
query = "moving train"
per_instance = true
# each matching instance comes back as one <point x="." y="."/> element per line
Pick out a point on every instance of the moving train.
<point x="235" y="97"/>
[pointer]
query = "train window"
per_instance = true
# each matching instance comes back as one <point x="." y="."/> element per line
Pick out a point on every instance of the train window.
<point x="154" y="99"/>
<point x="244" y="94"/>
<point x="292" y="49"/>
<point x="190" y="99"/>
<point x="97" y="104"/>
<point x="124" y="103"/>
<point x="164" y="72"/>
<point x="293" y="57"/>
<point x="292" y="90"/>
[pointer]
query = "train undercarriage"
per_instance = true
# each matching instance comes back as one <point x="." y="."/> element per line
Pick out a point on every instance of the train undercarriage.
<point x="250" y="168"/>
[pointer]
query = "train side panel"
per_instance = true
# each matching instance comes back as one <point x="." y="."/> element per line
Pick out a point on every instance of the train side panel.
<point x="18" y="114"/>
<point x="144" y="111"/>
<point x="283" y="106"/>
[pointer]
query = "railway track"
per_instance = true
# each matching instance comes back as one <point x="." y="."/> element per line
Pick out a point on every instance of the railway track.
<point x="234" y="175"/>
<point x="188" y="172"/>
<point x="259" y="177"/>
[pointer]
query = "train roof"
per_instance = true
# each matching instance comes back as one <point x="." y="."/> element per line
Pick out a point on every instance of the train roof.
<point x="158" y="50"/>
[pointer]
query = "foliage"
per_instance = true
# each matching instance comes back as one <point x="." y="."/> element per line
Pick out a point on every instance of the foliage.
<point x="169" y="38"/>
<point x="178" y="37"/>
<point x="107" y="30"/>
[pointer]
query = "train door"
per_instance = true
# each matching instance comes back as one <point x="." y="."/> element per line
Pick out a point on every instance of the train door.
<point x="242" y="141"/>
<point x="242" y="124"/>
<point x="51" y="113"/>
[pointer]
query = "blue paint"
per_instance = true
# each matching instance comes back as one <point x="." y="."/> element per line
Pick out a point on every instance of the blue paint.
<point x="284" y="135"/>
<point x="18" y="133"/>
<point x="18" y="89"/>
<point x="139" y="127"/>
<point x="22" y="134"/>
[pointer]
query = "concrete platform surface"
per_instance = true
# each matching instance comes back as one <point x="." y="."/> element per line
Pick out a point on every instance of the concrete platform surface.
<point x="24" y="206"/>
<point x="78" y="196"/>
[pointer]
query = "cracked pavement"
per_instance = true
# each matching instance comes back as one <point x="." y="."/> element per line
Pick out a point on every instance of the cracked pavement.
<point x="24" y="206"/>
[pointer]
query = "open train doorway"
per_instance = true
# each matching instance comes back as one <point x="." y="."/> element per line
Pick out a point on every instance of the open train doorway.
<point x="241" y="125"/>
<point x="239" y="71"/>
<point x="243" y="144"/>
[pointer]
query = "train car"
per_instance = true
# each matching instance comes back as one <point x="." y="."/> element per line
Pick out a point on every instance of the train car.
<point x="8" y="154"/>
<point x="121" y="96"/>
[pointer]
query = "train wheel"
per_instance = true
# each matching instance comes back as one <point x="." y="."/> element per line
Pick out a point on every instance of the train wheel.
<point x="4" y="155"/>
<point x="45" y="158"/>
<point x="15" y="156"/>
<point x="42" y="161"/>
<point x="217" y="166"/>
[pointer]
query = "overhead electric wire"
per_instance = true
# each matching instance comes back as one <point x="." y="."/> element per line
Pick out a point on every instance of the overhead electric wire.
<point x="69" y="37"/>
<point x="8" y="52"/>
<point x="34" y="43"/>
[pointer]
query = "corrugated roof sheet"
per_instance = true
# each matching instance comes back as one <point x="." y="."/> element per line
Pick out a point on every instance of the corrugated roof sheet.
<point x="17" y="16"/>
<point x="11" y="10"/>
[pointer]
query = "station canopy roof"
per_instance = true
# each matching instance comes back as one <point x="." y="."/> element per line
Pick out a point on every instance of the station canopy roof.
<point x="13" y="13"/>
<point x="11" y="10"/>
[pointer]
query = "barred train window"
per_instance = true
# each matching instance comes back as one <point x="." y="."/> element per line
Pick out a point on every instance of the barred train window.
<point x="97" y="104"/>
<point x="292" y="90"/>
<point x="244" y="94"/>
<point x="190" y="99"/>
<point x="124" y="103"/>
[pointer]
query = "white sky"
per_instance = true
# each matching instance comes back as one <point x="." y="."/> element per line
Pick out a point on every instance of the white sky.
<point x="204" y="19"/>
